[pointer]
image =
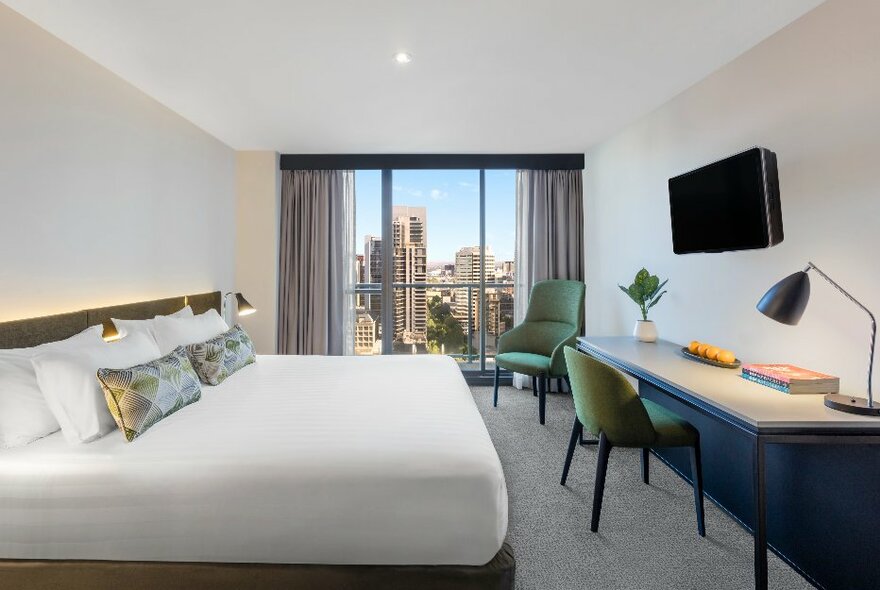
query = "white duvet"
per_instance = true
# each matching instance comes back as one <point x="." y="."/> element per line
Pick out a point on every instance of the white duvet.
<point x="347" y="460"/>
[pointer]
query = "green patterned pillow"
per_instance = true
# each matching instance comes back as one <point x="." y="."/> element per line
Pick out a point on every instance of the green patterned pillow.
<point x="142" y="395"/>
<point x="221" y="356"/>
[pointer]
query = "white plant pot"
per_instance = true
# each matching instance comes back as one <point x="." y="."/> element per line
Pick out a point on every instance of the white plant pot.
<point x="645" y="331"/>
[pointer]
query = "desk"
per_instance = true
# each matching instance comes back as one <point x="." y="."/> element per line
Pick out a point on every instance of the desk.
<point x="802" y="478"/>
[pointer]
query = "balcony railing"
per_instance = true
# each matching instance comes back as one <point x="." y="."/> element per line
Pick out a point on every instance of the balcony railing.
<point x="474" y="358"/>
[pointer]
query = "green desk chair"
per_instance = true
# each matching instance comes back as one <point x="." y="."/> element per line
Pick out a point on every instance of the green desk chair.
<point x="553" y="319"/>
<point x="607" y="405"/>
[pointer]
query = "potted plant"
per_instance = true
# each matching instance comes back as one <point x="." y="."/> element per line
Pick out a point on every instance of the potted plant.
<point x="645" y="291"/>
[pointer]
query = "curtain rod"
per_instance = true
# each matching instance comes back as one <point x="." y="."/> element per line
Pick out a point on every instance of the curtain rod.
<point x="432" y="161"/>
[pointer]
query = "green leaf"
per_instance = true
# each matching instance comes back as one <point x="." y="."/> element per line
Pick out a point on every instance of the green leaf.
<point x="651" y="284"/>
<point x="629" y="293"/>
<point x="656" y="300"/>
<point x="635" y="293"/>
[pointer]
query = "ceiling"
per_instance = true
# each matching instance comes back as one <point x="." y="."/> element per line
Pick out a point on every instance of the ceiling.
<point x="486" y="76"/>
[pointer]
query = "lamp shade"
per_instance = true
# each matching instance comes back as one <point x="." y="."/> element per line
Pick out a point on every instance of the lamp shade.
<point x="244" y="307"/>
<point x="786" y="301"/>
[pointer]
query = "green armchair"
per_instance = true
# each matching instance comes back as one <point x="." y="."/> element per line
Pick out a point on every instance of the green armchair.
<point x="535" y="347"/>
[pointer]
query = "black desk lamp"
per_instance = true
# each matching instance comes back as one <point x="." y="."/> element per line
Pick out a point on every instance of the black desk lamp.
<point x="785" y="302"/>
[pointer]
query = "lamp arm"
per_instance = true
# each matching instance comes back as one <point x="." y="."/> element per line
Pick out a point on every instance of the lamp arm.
<point x="846" y="294"/>
<point x="224" y="305"/>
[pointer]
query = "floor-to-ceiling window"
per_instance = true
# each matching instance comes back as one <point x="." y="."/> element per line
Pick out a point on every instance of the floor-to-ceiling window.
<point x="435" y="263"/>
<point x="435" y="237"/>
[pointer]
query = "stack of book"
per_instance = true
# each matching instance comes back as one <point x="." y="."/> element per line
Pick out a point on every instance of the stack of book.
<point x="791" y="379"/>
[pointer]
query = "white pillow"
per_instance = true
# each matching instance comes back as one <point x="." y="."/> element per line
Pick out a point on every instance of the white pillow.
<point x="126" y="327"/>
<point x="70" y="385"/>
<point x="173" y="332"/>
<point x="24" y="414"/>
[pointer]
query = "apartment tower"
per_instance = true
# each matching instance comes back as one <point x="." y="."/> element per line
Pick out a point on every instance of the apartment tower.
<point x="410" y="233"/>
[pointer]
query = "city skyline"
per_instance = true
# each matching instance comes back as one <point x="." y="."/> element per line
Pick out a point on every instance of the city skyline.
<point x="452" y="201"/>
<point x="442" y="316"/>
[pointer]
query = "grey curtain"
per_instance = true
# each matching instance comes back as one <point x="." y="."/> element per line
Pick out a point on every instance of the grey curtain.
<point x="550" y="226"/>
<point x="316" y="274"/>
<point x="549" y="232"/>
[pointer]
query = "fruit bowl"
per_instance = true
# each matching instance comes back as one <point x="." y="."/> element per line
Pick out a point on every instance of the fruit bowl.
<point x="736" y="364"/>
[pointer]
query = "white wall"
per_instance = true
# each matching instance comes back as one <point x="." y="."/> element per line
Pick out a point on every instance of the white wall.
<point x="258" y="198"/>
<point x="106" y="196"/>
<point x="811" y="93"/>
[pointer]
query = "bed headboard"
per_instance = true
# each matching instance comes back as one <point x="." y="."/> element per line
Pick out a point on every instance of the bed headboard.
<point x="36" y="331"/>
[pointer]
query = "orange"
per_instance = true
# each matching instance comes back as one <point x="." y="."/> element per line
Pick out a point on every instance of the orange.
<point x="712" y="352"/>
<point x="692" y="347"/>
<point x="726" y="356"/>
<point x="701" y="349"/>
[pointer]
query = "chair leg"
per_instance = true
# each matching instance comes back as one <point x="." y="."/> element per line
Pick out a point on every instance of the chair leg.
<point x="588" y="441"/>
<point x="559" y="384"/>
<point x="599" y="490"/>
<point x="568" y="383"/>
<point x="697" y="478"/>
<point x="542" y="397"/>
<point x="646" y="474"/>
<point x="495" y="396"/>
<point x="535" y="386"/>
<point x="576" y="432"/>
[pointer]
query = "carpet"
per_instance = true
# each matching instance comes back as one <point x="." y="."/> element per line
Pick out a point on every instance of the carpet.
<point x="647" y="537"/>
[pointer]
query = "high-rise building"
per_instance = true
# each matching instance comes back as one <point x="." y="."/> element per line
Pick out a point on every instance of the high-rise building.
<point x="468" y="269"/>
<point x="365" y="334"/>
<point x="360" y="298"/>
<point x="410" y="233"/>
<point x="373" y="273"/>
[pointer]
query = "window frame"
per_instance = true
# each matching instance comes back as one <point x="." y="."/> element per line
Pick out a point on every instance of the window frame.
<point x="387" y="163"/>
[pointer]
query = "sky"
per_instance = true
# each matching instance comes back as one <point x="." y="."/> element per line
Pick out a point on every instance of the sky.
<point x="452" y="198"/>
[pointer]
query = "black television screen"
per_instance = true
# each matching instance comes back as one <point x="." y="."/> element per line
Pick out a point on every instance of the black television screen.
<point x="732" y="204"/>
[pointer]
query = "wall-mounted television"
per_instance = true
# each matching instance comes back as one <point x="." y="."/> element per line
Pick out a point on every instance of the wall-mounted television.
<point x="732" y="204"/>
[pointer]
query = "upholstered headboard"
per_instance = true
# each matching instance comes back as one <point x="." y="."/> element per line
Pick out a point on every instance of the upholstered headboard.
<point x="35" y="331"/>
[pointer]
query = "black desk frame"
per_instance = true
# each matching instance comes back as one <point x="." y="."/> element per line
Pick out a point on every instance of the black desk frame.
<point x="761" y="438"/>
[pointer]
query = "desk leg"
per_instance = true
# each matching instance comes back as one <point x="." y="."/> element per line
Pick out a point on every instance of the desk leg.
<point x="760" y="528"/>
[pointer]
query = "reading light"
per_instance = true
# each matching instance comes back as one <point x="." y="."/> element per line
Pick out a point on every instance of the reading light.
<point x="786" y="301"/>
<point x="402" y="57"/>
<point x="241" y="305"/>
<point x="110" y="333"/>
<point x="244" y="308"/>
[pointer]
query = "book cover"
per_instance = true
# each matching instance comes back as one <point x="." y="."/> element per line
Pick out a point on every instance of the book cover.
<point x="766" y="383"/>
<point x="788" y="373"/>
<point x="791" y="379"/>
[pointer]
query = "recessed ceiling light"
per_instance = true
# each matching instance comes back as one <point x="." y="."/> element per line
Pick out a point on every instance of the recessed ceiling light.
<point x="402" y="57"/>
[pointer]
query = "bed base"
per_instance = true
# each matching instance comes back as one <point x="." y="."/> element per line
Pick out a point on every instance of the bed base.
<point x="498" y="574"/>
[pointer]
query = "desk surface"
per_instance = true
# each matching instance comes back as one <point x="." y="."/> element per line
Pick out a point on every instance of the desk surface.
<point x="723" y="389"/>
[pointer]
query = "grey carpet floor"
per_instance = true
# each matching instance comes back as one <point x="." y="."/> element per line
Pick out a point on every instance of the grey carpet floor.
<point x="647" y="536"/>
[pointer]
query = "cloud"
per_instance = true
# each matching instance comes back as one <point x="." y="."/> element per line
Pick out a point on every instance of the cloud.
<point x="468" y="185"/>
<point x="417" y="193"/>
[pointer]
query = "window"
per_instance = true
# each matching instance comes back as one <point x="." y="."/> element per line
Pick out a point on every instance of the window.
<point x="448" y="288"/>
<point x="368" y="239"/>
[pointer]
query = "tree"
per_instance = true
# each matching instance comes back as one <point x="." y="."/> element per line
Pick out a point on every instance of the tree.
<point x="443" y="329"/>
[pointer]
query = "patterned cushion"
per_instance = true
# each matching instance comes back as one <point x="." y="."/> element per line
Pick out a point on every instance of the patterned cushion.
<point x="144" y="394"/>
<point x="221" y="356"/>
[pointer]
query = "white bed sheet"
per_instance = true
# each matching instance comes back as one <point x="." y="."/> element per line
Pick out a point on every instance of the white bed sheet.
<point x="355" y="460"/>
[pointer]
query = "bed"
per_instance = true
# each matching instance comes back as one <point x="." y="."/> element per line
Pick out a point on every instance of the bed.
<point x="296" y="472"/>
